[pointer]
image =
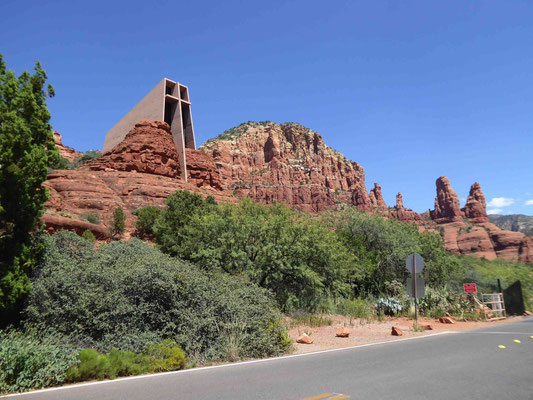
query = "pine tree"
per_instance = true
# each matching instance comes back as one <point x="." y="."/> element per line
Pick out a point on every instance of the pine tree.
<point x="27" y="149"/>
<point x="118" y="224"/>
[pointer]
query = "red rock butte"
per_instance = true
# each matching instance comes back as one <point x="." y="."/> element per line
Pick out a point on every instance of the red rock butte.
<point x="267" y="162"/>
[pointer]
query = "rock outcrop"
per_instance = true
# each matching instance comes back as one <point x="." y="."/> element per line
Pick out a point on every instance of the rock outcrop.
<point x="286" y="162"/>
<point x="75" y="193"/>
<point x="399" y="201"/>
<point x="376" y="198"/>
<point x="476" y="207"/>
<point x="66" y="152"/>
<point x="474" y="234"/>
<point x="148" y="148"/>
<point x="201" y="169"/>
<point x="447" y="207"/>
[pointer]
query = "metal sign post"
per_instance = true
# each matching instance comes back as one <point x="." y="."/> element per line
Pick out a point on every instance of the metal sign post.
<point x="414" y="264"/>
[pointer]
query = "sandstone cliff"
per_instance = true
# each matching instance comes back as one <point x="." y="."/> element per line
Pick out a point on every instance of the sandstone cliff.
<point x="286" y="162"/>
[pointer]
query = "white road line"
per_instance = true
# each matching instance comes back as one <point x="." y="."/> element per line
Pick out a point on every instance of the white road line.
<point x="500" y="333"/>
<point x="191" y="370"/>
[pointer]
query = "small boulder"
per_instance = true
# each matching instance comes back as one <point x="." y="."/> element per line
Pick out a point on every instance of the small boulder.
<point x="396" y="331"/>
<point x="304" y="339"/>
<point x="342" y="332"/>
<point x="428" y="327"/>
<point x="446" y="320"/>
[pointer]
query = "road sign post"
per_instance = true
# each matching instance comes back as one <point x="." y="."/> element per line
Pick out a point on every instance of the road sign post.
<point x="414" y="264"/>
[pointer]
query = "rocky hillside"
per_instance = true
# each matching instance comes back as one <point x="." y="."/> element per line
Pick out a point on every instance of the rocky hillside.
<point x="514" y="222"/>
<point x="286" y="162"/>
<point x="267" y="162"/>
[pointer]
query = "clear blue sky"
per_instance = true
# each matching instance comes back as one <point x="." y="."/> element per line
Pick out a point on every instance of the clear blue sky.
<point x="411" y="90"/>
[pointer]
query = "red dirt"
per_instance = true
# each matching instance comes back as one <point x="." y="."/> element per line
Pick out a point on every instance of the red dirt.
<point x="372" y="332"/>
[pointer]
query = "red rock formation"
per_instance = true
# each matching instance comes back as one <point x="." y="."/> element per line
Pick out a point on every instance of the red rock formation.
<point x="446" y="203"/>
<point x="476" y="207"/>
<point x="77" y="192"/>
<point x="56" y="223"/>
<point x="376" y="199"/>
<point x="148" y="148"/>
<point x="360" y="199"/>
<point x="288" y="162"/>
<point x="64" y="151"/>
<point x="399" y="201"/>
<point x="201" y="170"/>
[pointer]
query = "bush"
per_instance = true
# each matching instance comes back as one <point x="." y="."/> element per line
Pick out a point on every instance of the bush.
<point x="285" y="251"/>
<point x="439" y="301"/>
<point x="118" y="223"/>
<point x="29" y="360"/>
<point x="388" y="306"/>
<point x="158" y="357"/>
<point x="381" y="247"/>
<point x="89" y="236"/>
<point x="146" y="219"/>
<point x="85" y="157"/>
<point x="165" y="356"/>
<point x="356" y="308"/>
<point x="127" y="295"/>
<point x="92" y="218"/>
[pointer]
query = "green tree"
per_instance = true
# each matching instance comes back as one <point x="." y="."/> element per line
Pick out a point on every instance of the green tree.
<point x="118" y="223"/>
<point x="381" y="247"/>
<point x="27" y="149"/>
<point x="146" y="218"/>
<point x="171" y="225"/>
<point x="286" y="251"/>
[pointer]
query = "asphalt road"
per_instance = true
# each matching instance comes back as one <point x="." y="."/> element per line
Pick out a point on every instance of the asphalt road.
<point x="466" y="365"/>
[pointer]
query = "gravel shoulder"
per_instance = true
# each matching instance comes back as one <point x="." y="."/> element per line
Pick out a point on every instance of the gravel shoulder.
<point x="363" y="332"/>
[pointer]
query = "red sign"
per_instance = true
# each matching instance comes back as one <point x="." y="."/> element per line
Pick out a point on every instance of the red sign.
<point x="470" y="288"/>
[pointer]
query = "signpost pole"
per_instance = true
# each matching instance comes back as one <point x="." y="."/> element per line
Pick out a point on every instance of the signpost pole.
<point x="414" y="284"/>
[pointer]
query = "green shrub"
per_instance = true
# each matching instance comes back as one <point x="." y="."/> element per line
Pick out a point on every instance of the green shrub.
<point x="439" y="301"/>
<point x="381" y="247"/>
<point x="127" y="295"/>
<point x="356" y="308"/>
<point x="146" y="219"/>
<point x="29" y="360"/>
<point x="90" y="217"/>
<point x="118" y="223"/>
<point x="165" y="356"/>
<point x="62" y="163"/>
<point x="311" y="319"/>
<point x="86" y="157"/>
<point x="93" y="365"/>
<point x="285" y="251"/>
<point x="89" y="236"/>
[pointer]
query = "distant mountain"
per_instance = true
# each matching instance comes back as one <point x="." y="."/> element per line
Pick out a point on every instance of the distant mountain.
<point x="515" y="222"/>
